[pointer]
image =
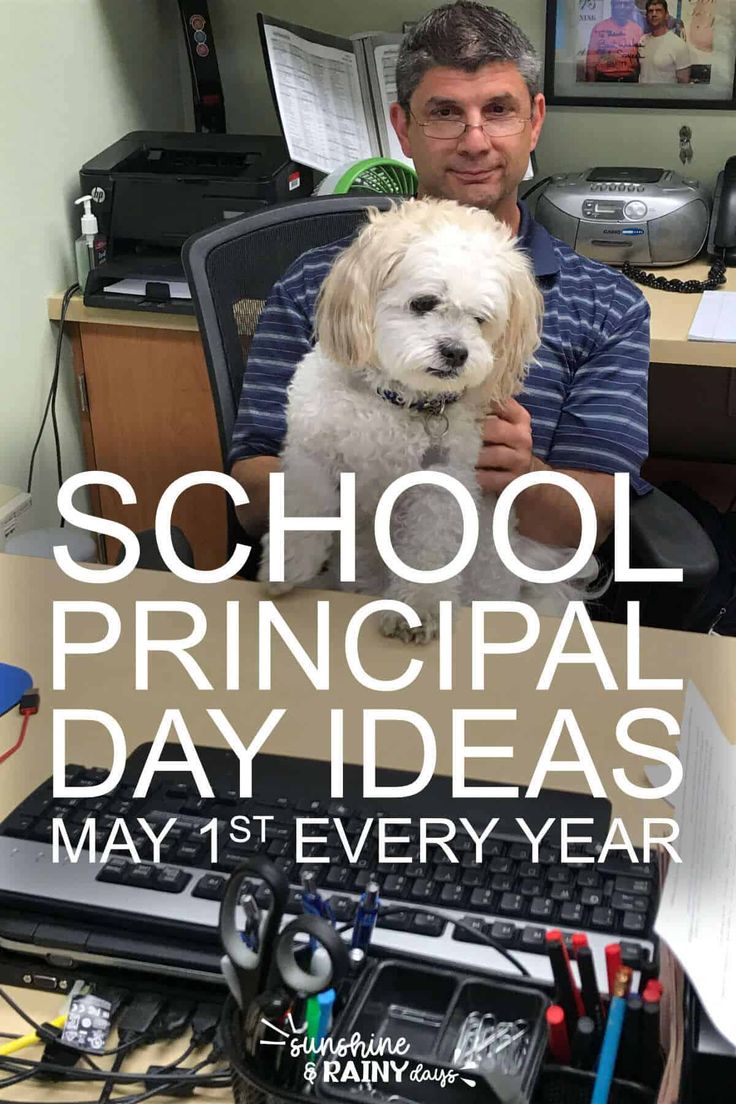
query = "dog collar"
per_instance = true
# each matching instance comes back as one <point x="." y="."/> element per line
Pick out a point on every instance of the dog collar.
<point x="434" y="405"/>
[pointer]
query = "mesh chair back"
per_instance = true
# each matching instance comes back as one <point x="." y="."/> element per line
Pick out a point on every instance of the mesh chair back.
<point x="232" y="268"/>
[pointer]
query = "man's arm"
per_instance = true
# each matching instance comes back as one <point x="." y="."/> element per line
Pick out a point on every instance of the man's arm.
<point x="602" y="429"/>
<point x="282" y="338"/>
<point x="545" y="513"/>
<point x="252" y="473"/>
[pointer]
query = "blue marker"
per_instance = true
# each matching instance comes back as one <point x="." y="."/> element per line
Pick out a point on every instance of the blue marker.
<point x="325" y="1001"/>
<point x="366" y="916"/>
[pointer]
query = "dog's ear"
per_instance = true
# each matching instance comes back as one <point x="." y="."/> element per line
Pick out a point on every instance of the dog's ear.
<point x="345" y="314"/>
<point x="520" y="337"/>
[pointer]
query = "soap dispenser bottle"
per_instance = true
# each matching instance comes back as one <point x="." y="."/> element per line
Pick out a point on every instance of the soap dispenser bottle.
<point x="84" y="246"/>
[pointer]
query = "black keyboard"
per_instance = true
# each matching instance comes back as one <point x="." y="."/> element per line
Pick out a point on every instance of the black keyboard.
<point x="163" y="915"/>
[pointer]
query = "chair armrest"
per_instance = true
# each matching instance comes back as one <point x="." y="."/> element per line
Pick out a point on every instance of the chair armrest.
<point x="665" y="535"/>
<point x="150" y="557"/>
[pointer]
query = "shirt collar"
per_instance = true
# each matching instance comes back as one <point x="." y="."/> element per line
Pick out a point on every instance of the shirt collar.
<point x="535" y="241"/>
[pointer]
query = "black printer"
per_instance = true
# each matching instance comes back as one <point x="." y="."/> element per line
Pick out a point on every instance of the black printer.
<point x="152" y="190"/>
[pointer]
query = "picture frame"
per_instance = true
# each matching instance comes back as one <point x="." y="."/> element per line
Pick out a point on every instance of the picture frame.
<point x="615" y="53"/>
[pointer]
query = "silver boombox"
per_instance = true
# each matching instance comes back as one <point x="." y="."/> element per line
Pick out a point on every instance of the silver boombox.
<point x="643" y="216"/>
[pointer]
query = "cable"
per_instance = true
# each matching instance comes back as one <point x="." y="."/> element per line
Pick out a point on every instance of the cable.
<point x="51" y="399"/>
<point x="49" y="1036"/>
<point x="535" y="187"/>
<point x="33" y="1067"/>
<point x="145" y="1018"/>
<point x="482" y="936"/>
<point x="19" y="742"/>
<point x="6" y="1082"/>
<point x="106" y="1091"/>
<point x="27" y="707"/>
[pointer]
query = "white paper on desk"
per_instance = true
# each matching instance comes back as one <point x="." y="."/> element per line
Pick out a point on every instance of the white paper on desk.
<point x="178" y="289"/>
<point x="697" y="912"/>
<point x="715" y="318"/>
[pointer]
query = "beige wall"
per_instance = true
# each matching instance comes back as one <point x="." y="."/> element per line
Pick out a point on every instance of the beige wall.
<point x="76" y="75"/>
<point x="573" y="137"/>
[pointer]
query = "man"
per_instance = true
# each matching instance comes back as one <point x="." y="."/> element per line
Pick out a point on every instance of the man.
<point x="469" y="113"/>
<point x="663" y="57"/>
<point x="613" y="47"/>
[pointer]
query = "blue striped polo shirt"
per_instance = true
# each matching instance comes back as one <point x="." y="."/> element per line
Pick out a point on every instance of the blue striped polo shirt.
<point x="586" y="390"/>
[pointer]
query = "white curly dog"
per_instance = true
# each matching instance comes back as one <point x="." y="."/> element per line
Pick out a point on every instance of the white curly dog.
<point x="425" y="321"/>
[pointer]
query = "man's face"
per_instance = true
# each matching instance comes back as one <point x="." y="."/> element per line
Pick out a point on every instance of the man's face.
<point x="656" y="16"/>
<point x="476" y="169"/>
<point x="620" y="11"/>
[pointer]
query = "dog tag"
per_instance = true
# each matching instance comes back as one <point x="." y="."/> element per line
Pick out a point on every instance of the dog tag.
<point x="434" y="455"/>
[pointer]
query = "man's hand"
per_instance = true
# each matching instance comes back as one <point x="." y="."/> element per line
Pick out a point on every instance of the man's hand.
<point x="544" y="513"/>
<point x="507" y="447"/>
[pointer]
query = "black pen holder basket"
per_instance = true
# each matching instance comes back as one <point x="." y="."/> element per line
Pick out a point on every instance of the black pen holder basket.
<point x="564" y="1085"/>
<point x="426" y="1007"/>
<point x="248" y="1087"/>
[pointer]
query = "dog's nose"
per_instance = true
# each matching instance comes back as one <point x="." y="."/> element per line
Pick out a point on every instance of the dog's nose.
<point x="454" y="353"/>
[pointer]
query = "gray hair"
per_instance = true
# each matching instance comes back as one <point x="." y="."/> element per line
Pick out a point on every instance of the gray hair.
<point x="463" y="35"/>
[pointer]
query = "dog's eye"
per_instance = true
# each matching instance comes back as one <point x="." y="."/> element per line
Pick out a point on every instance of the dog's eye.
<point x="479" y="320"/>
<point x="423" y="304"/>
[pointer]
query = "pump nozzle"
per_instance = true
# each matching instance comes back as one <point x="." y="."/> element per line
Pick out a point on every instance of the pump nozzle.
<point x="89" y="221"/>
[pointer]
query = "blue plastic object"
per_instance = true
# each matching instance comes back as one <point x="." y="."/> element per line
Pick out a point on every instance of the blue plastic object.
<point x="14" y="682"/>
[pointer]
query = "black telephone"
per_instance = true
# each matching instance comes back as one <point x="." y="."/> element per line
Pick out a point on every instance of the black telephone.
<point x="722" y="229"/>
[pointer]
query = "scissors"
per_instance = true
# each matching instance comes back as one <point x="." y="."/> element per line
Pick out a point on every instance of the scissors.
<point x="260" y="958"/>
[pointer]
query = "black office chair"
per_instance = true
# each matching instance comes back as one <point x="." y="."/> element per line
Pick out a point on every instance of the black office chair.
<point x="231" y="270"/>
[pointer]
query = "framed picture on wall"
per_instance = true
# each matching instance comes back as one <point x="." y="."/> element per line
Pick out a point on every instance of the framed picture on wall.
<point x="641" y="53"/>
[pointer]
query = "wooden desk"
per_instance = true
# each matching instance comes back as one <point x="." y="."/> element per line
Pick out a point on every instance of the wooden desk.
<point x="672" y="316"/>
<point x="146" y="408"/>
<point x="146" y="413"/>
<point x="28" y="588"/>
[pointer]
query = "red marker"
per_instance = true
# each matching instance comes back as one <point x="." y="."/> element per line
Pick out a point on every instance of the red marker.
<point x="579" y="940"/>
<point x="554" y="936"/>
<point x="613" y="964"/>
<point x="559" y="1043"/>
<point x="653" y="991"/>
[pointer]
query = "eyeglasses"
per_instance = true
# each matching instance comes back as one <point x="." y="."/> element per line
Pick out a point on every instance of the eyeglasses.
<point x="499" y="126"/>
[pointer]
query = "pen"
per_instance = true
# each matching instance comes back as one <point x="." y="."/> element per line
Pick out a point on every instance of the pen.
<point x="559" y="1044"/>
<point x="366" y="916"/>
<point x="653" y="990"/>
<point x="568" y="994"/>
<point x="630" y="1059"/>
<point x="312" y="1018"/>
<point x="579" y="940"/>
<point x="313" y="902"/>
<point x="651" y="1063"/>
<point x="583" y="1044"/>
<point x="612" y="1037"/>
<point x="251" y="930"/>
<point x="613" y="964"/>
<point x="647" y="973"/>
<point x="589" y="985"/>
